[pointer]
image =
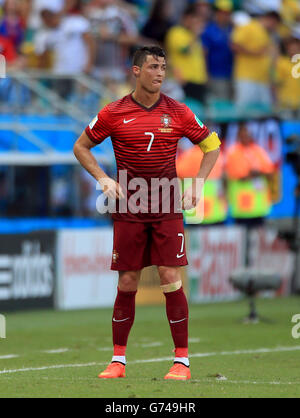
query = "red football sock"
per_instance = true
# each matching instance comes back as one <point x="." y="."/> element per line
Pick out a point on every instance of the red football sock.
<point x="178" y="315"/>
<point x="123" y="317"/>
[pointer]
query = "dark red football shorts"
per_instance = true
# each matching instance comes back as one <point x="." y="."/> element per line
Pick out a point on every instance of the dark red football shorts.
<point x="138" y="245"/>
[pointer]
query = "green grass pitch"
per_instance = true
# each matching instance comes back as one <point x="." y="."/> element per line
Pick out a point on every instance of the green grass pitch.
<point x="59" y="354"/>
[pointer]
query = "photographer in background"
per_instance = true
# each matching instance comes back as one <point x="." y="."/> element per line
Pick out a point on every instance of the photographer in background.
<point x="248" y="167"/>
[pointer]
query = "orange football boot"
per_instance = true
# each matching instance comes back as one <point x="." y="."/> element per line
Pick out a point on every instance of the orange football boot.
<point x="112" y="371"/>
<point x="179" y="372"/>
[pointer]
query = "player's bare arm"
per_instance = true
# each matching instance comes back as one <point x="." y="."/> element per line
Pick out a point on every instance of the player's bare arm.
<point x="192" y="195"/>
<point x="208" y="163"/>
<point x="82" y="151"/>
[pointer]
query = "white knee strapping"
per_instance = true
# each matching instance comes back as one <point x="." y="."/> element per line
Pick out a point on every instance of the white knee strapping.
<point x="171" y="287"/>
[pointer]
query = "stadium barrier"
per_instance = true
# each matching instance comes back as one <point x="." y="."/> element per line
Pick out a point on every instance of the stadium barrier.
<point x="84" y="278"/>
<point x="27" y="271"/>
<point x="70" y="268"/>
<point x="228" y="249"/>
<point x="225" y="250"/>
<point x="267" y="250"/>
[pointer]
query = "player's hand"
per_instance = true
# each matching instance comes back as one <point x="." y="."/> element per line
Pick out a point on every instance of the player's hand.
<point x="192" y="196"/>
<point x="111" y="188"/>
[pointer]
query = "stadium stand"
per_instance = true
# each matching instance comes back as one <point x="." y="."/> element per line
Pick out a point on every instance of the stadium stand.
<point x="46" y="100"/>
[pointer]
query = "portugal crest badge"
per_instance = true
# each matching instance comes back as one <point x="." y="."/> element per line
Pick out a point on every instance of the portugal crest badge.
<point x="166" y="122"/>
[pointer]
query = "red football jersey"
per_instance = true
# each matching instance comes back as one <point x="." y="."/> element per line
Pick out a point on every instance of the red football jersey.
<point x="145" y="144"/>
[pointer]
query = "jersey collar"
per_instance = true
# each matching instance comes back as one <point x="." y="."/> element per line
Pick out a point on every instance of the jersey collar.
<point x="147" y="108"/>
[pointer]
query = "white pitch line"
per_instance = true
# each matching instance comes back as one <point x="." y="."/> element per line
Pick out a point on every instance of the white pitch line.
<point x="56" y="351"/>
<point x="251" y="351"/>
<point x="9" y="356"/>
<point x="149" y="345"/>
<point x="154" y="360"/>
<point x="224" y="353"/>
<point x="59" y="366"/>
<point x="144" y="345"/>
<point x="245" y="382"/>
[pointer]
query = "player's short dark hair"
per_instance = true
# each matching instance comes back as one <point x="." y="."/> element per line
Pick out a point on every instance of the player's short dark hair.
<point x="141" y="54"/>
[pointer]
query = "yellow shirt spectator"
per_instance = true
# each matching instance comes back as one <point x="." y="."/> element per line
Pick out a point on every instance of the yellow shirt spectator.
<point x="288" y="87"/>
<point x="290" y="11"/>
<point x="254" y="37"/>
<point x="186" y="55"/>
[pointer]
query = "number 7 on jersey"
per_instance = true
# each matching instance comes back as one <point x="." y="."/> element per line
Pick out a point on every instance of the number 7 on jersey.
<point x="151" y="140"/>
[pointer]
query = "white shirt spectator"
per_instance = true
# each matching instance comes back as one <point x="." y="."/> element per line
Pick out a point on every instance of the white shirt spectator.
<point x="70" y="52"/>
<point x="110" y="55"/>
<point x="35" y="21"/>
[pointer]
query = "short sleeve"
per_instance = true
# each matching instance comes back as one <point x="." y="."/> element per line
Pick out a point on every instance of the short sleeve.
<point x="83" y="25"/>
<point x="240" y="35"/>
<point x="177" y="39"/>
<point x="41" y="42"/>
<point x="100" y="127"/>
<point x="206" y="38"/>
<point x="9" y="50"/>
<point x="193" y="128"/>
<point x="129" y="25"/>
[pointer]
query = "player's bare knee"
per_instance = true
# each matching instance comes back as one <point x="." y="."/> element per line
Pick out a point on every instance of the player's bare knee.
<point x="128" y="281"/>
<point x="169" y="275"/>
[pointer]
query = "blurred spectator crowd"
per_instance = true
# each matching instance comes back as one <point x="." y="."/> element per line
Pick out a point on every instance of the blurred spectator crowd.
<point x="241" y="54"/>
<point x="244" y="51"/>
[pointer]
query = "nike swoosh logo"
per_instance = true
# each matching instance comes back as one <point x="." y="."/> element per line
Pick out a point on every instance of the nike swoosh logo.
<point x="127" y="121"/>
<point x="175" y="322"/>
<point x="120" y="320"/>
<point x="179" y="256"/>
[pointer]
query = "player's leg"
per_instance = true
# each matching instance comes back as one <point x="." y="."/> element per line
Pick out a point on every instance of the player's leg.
<point x="168" y="253"/>
<point x="178" y="316"/>
<point x="129" y="257"/>
<point x="122" y="321"/>
<point x="124" y="312"/>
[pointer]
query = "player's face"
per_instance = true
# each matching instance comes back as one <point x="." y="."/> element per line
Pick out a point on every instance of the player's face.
<point x="152" y="73"/>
